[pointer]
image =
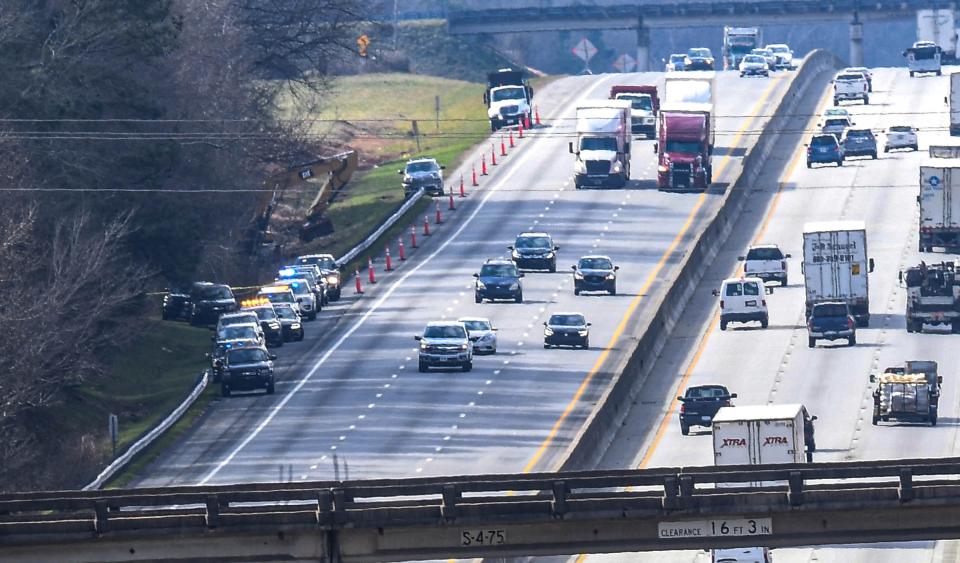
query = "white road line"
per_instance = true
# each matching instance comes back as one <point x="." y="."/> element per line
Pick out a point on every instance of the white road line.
<point x="520" y="166"/>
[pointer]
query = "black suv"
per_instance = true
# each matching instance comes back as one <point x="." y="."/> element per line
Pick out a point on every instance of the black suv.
<point x="329" y="269"/>
<point x="176" y="305"/>
<point x="595" y="273"/>
<point x="859" y="142"/>
<point x="246" y="369"/>
<point x="422" y="173"/>
<point x="498" y="279"/>
<point x="270" y="323"/>
<point x="535" y="251"/>
<point x="209" y="301"/>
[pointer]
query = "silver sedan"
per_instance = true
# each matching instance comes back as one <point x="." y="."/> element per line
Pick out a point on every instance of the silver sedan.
<point x="482" y="333"/>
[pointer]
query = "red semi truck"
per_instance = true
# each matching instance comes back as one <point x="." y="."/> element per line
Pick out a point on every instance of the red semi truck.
<point x="645" y="104"/>
<point x="683" y="145"/>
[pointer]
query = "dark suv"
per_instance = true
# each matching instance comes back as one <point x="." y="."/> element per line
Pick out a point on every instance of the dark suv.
<point x="595" y="273"/>
<point x="824" y="149"/>
<point x="535" y="251"/>
<point x="329" y="269"/>
<point x="246" y="369"/>
<point x="422" y="173"/>
<point x="498" y="279"/>
<point x="270" y="323"/>
<point x="700" y="403"/>
<point x="859" y="142"/>
<point x="209" y="301"/>
<point x="176" y="305"/>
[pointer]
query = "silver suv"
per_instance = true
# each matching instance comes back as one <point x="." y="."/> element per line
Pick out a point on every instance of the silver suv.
<point x="422" y="173"/>
<point x="445" y="344"/>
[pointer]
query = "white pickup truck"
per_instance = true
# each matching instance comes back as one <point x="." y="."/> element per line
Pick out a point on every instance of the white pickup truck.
<point x="850" y="86"/>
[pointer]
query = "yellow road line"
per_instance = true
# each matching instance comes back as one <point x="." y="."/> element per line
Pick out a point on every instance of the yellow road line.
<point x="643" y="290"/>
<point x="784" y="178"/>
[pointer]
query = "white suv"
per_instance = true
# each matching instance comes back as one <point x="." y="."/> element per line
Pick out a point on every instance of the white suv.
<point x="767" y="262"/>
<point x="742" y="301"/>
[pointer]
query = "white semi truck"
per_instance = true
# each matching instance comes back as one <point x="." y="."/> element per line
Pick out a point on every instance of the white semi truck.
<point x="738" y="42"/>
<point x="939" y="27"/>
<point x="940" y="202"/>
<point x="835" y="266"/>
<point x="602" y="146"/>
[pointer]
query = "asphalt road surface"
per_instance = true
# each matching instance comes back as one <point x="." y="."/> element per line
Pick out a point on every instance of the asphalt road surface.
<point x="350" y="402"/>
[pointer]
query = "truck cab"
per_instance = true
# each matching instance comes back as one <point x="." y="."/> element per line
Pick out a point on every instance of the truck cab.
<point x="933" y="296"/>
<point x="923" y="58"/>
<point x="602" y="146"/>
<point x="644" y="104"/>
<point x="684" y="151"/>
<point x="508" y="98"/>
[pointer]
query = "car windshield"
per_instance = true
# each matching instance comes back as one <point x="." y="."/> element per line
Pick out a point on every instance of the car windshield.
<point x="638" y="101"/>
<point x="265" y="313"/>
<point x="924" y="53"/>
<point x="498" y="271"/>
<point x="299" y="287"/>
<point x="830" y="310"/>
<point x="567" y="320"/>
<point x="477" y="325"/>
<point x="238" y="320"/>
<point x="859" y="134"/>
<point x="754" y="59"/>
<point x="706" y="392"/>
<point x="215" y="292"/>
<point x="683" y="147"/>
<point x="286" y="313"/>
<point x="237" y="333"/>
<point x="598" y="144"/>
<point x="835" y="123"/>
<point x="280" y="297"/>
<point x="705" y="53"/>
<point x="247" y="356"/>
<point x="761" y="52"/>
<point x="849" y="77"/>
<point x="595" y="264"/>
<point x="517" y="93"/>
<point x="779" y="48"/>
<point x="901" y="129"/>
<point x="764" y="254"/>
<point x="677" y="58"/>
<point x="424" y="166"/>
<point x="533" y="242"/>
<point x="450" y="331"/>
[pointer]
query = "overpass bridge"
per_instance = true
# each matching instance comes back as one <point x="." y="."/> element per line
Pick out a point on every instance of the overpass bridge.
<point x="492" y="515"/>
<point x="695" y="13"/>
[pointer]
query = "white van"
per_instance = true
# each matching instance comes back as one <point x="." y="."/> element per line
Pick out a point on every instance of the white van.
<point x="742" y="300"/>
<point x="741" y="555"/>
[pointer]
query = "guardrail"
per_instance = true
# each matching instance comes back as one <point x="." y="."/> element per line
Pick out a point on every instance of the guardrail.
<point x="494" y="515"/>
<point x="389" y="222"/>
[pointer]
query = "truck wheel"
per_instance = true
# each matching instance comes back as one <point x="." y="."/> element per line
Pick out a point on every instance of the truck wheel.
<point x="809" y="456"/>
<point x="467" y="366"/>
<point x="852" y="341"/>
<point x="613" y="290"/>
<point x="684" y="429"/>
<point x="811" y="342"/>
<point x="808" y="164"/>
<point x="576" y="290"/>
<point x="271" y="389"/>
<point x="225" y="390"/>
<point x="709" y="175"/>
<point x="933" y="419"/>
<point x="783" y="282"/>
<point x="764" y="322"/>
<point x="723" y="324"/>
<point x="939" y="72"/>
<point x="422" y="367"/>
<point x="477" y="298"/>
<point x="836" y="102"/>
<point x="840" y="163"/>
<point x="866" y="100"/>
<point x="911" y="74"/>
<point x="874" y="155"/>
<point x="313" y="316"/>
<point x="875" y="420"/>
<point x="586" y="343"/>
<point x="909" y="325"/>
<point x="518" y="298"/>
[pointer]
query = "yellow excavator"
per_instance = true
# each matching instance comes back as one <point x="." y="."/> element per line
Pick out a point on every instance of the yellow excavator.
<point x="329" y="174"/>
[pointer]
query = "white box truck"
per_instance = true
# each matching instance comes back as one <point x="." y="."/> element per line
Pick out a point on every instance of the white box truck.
<point x="602" y="146"/>
<point x="955" y="104"/>
<point x="939" y="28"/>
<point x="694" y="91"/>
<point x="940" y="204"/>
<point x="835" y="266"/>
<point x="761" y="434"/>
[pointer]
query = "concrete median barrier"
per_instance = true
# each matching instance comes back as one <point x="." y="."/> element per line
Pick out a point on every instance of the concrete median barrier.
<point x="601" y="425"/>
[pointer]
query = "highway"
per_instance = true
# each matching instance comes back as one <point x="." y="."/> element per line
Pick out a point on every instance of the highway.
<point x="775" y="365"/>
<point x="349" y="400"/>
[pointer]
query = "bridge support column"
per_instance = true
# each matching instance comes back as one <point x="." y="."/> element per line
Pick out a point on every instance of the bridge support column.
<point x="856" y="41"/>
<point x="643" y="49"/>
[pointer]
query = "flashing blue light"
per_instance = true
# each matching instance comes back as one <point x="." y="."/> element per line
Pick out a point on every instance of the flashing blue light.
<point x="295" y="284"/>
<point x="287" y="273"/>
<point x="229" y="346"/>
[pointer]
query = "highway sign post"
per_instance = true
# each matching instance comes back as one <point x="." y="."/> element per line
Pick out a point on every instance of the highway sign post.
<point x="585" y="51"/>
<point x="625" y="63"/>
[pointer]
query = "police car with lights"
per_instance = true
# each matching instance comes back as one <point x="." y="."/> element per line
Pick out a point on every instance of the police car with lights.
<point x="250" y="332"/>
<point x="314" y="280"/>
<point x="269" y="322"/>
<point x="239" y="318"/>
<point x="219" y="353"/>
<point x="330" y="270"/>
<point x="306" y="299"/>
<point x="279" y="294"/>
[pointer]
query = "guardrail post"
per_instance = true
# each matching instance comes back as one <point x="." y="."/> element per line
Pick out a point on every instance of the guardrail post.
<point x="670" y="491"/>
<point x="686" y="491"/>
<point x="559" y="502"/>
<point x="213" y="511"/>
<point x="101" y="525"/>
<point x="451" y="494"/>
<point x="906" y="485"/>
<point x="324" y="507"/>
<point x="795" y="493"/>
<point x="339" y="505"/>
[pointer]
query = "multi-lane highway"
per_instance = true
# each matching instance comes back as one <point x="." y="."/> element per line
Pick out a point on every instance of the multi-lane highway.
<point x="775" y="365"/>
<point x="350" y="402"/>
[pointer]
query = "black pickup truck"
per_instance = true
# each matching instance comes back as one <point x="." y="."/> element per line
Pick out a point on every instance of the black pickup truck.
<point x="699" y="404"/>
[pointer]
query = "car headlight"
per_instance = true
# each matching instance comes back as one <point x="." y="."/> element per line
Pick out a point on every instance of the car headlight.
<point x="611" y="276"/>
<point x="463" y="347"/>
<point x="515" y="254"/>
<point x="548" y="255"/>
<point x="710" y="61"/>
<point x="274" y="326"/>
<point x="582" y="332"/>
<point x="294" y="326"/>
<point x="514" y="286"/>
<point x="481" y="285"/>
<point x="333" y="279"/>
<point x="407" y="179"/>
<point x="663" y="168"/>
<point x="548" y="331"/>
<point x="577" y="275"/>
<point x="423" y="345"/>
<point x="617" y="167"/>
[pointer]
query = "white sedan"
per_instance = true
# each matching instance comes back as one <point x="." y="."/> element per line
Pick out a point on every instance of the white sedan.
<point x="754" y="65"/>
<point x="901" y="137"/>
<point x="482" y="333"/>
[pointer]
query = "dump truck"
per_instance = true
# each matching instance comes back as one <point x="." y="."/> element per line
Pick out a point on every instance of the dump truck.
<point x="328" y="174"/>
<point x="939" y="200"/>
<point x="909" y="394"/>
<point x="835" y="266"/>
<point x="508" y="98"/>
<point x="645" y="106"/>
<point x="933" y="296"/>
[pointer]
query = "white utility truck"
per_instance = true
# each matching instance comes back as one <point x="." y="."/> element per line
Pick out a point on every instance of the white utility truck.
<point x="602" y="146"/>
